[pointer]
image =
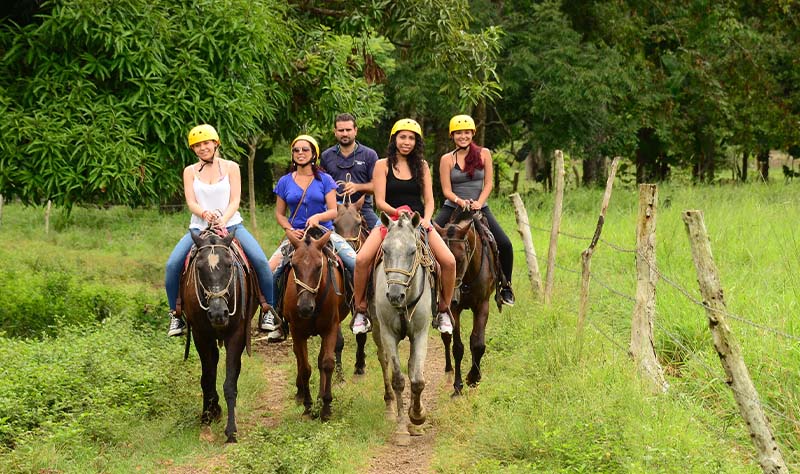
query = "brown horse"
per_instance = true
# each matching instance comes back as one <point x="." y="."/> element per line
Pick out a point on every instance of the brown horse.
<point x="314" y="303"/>
<point x="475" y="282"/>
<point x="219" y="298"/>
<point x="350" y="224"/>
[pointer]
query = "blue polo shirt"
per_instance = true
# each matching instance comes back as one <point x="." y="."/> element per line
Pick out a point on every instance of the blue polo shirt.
<point x="359" y="164"/>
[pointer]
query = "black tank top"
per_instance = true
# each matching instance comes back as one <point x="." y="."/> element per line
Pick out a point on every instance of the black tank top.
<point x="401" y="192"/>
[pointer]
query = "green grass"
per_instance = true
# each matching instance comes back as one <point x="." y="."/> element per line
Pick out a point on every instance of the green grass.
<point x="543" y="405"/>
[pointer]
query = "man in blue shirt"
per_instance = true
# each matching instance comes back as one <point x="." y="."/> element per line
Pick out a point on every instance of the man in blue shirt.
<point x="351" y="157"/>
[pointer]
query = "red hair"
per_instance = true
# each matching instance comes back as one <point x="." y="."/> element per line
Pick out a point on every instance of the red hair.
<point x="473" y="160"/>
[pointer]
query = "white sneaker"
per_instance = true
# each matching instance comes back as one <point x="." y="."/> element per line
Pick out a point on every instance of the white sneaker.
<point x="276" y="336"/>
<point x="445" y="326"/>
<point x="361" y="324"/>
<point x="176" y="325"/>
<point x="269" y="320"/>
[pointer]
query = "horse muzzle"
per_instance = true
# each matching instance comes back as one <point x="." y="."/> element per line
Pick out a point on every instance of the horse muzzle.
<point x="218" y="314"/>
<point x="396" y="294"/>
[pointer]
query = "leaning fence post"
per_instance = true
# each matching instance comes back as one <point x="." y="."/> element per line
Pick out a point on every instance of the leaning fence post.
<point x="47" y="217"/>
<point x="642" y="348"/>
<point x="769" y="454"/>
<point x="586" y="255"/>
<point x="524" y="228"/>
<point x="551" y="253"/>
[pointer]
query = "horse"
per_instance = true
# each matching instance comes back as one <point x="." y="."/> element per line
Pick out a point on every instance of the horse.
<point x="402" y="307"/>
<point x="219" y="295"/>
<point x="350" y="224"/>
<point x="314" y="303"/>
<point x="475" y="282"/>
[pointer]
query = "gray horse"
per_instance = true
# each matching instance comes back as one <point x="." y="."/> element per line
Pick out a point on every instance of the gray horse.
<point x="402" y="307"/>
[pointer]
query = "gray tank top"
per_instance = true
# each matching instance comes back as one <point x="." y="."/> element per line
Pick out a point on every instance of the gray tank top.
<point x="464" y="186"/>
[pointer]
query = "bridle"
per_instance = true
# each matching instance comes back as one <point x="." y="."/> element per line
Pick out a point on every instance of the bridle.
<point x="305" y="287"/>
<point x="354" y="242"/>
<point x="470" y="250"/>
<point x="419" y="259"/>
<point x="223" y="293"/>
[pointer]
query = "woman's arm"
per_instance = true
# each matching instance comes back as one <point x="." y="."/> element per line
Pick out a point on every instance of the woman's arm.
<point x="488" y="179"/>
<point x="283" y="221"/>
<point x="427" y="194"/>
<point x="379" y="186"/>
<point x="235" y="180"/>
<point x="329" y="215"/>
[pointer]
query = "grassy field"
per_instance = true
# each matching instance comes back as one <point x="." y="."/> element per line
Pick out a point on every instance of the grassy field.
<point x="90" y="384"/>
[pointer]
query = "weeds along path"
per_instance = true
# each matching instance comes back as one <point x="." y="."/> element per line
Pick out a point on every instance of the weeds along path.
<point x="416" y="457"/>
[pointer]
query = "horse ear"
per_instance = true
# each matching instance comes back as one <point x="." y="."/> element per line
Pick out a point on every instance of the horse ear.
<point x="385" y="219"/>
<point x="415" y="219"/>
<point x="229" y="238"/>
<point x="360" y="202"/>
<point x="441" y="230"/>
<point x="340" y="208"/>
<point x="197" y="239"/>
<point x="320" y="242"/>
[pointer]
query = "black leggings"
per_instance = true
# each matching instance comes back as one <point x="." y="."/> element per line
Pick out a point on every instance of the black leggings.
<point x="503" y="242"/>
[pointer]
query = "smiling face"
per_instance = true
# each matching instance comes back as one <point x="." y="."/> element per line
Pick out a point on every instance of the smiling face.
<point x="205" y="150"/>
<point x="463" y="138"/>
<point x="302" y="152"/>
<point x="405" y="141"/>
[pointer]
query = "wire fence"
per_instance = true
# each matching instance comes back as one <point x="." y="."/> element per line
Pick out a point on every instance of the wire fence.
<point x="712" y="373"/>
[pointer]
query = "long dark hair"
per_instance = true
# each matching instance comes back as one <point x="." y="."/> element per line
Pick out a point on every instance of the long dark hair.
<point x="472" y="161"/>
<point x="415" y="159"/>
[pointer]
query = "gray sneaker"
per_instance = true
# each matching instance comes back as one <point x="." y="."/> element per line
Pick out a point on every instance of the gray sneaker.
<point x="270" y="321"/>
<point x="176" y="325"/>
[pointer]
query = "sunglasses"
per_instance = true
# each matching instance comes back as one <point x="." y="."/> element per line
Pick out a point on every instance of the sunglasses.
<point x="298" y="149"/>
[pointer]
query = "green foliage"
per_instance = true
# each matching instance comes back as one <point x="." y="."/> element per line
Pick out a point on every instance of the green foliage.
<point x="97" y="97"/>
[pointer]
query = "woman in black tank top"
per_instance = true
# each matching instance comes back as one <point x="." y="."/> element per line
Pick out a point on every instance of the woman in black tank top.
<point x="404" y="179"/>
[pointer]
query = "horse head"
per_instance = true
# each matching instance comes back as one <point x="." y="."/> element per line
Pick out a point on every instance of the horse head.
<point x="348" y="222"/>
<point x="215" y="279"/>
<point x="308" y="268"/>
<point x="400" y="256"/>
<point x="462" y="239"/>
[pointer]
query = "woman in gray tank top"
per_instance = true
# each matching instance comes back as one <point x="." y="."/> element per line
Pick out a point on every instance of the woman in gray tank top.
<point x="466" y="175"/>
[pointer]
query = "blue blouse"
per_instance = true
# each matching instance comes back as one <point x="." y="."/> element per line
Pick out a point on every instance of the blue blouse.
<point x="313" y="202"/>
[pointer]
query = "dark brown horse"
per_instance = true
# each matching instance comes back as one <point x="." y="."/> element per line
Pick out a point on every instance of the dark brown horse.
<point x="350" y="224"/>
<point x="475" y="282"/>
<point x="219" y="299"/>
<point x="314" y="303"/>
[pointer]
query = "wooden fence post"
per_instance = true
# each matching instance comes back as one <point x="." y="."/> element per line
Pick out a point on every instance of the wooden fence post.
<point x="642" y="348"/>
<point x="551" y="253"/>
<point x="586" y="255"/>
<point x="769" y="454"/>
<point x="516" y="182"/>
<point x="47" y="217"/>
<point x="524" y="229"/>
<point x="1" y="209"/>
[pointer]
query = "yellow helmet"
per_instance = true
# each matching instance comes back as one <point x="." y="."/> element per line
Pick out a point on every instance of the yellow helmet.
<point x="461" y="122"/>
<point x="406" y="124"/>
<point x="309" y="139"/>
<point x="202" y="133"/>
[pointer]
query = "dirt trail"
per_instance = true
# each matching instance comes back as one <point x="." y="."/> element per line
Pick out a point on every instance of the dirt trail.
<point x="416" y="457"/>
<point x="389" y="458"/>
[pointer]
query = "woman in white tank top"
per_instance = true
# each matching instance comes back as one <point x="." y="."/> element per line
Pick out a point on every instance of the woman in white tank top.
<point x="213" y="188"/>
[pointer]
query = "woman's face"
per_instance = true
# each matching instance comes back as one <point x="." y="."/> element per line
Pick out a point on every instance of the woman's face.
<point x="302" y="152"/>
<point x="463" y="138"/>
<point x="205" y="149"/>
<point x="405" y="141"/>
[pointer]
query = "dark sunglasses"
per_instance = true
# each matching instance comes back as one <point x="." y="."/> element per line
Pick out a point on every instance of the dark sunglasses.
<point x="298" y="149"/>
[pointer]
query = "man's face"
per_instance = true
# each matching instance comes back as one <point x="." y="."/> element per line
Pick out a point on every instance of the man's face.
<point x="345" y="133"/>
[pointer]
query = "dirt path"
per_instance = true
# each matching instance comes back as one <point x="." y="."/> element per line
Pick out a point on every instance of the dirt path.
<point x="416" y="457"/>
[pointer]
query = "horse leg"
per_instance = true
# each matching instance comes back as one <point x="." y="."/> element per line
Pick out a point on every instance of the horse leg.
<point x="326" y="365"/>
<point x="361" y="357"/>
<point x="233" y="366"/>
<point x="402" y="436"/>
<point x="458" y="354"/>
<point x="446" y="340"/>
<point x="338" y="353"/>
<point x="303" y="395"/>
<point x="209" y="358"/>
<point x="388" y="394"/>
<point x="477" y="342"/>
<point x="416" y="366"/>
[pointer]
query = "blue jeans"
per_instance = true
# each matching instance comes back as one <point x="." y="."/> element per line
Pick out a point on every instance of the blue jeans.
<point x="369" y="216"/>
<point x="253" y="251"/>
<point x="342" y="248"/>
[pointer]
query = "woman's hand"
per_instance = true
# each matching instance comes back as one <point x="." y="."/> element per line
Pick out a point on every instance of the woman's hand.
<point x="475" y="205"/>
<point x="210" y="216"/>
<point x="312" y="221"/>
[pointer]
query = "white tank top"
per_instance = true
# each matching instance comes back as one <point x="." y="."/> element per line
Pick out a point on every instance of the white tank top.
<point x="210" y="197"/>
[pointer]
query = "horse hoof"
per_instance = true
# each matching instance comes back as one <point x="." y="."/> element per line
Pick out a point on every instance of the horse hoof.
<point x="390" y="415"/>
<point x="206" y="434"/>
<point x="456" y="393"/>
<point x="402" y="439"/>
<point x="417" y="419"/>
<point x="415" y="430"/>
<point x="359" y="371"/>
<point x="231" y="438"/>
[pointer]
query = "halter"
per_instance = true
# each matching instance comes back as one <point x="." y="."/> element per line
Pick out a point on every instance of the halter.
<point x="347" y="200"/>
<point x="198" y="284"/>
<point x="419" y="258"/>
<point x="470" y="251"/>
<point x="303" y="286"/>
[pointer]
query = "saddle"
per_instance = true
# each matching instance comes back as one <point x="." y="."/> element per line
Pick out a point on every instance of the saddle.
<point x="487" y="239"/>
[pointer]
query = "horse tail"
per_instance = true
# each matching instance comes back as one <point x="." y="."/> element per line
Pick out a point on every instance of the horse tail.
<point x="188" y="340"/>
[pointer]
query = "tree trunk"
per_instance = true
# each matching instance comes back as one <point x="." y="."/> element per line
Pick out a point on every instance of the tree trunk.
<point x="252" y="146"/>
<point x="745" y="156"/>
<point x="594" y="171"/>
<point x="763" y="165"/>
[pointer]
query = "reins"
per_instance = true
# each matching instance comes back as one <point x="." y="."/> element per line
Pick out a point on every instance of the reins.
<point x="198" y="284"/>
<point x="470" y="251"/>
<point x="420" y="259"/>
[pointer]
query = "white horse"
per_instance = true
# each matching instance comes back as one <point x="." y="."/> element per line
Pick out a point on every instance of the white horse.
<point x="402" y="307"/>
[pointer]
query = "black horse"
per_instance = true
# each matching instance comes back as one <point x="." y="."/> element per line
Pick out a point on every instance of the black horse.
<point x="219" y="298"/>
